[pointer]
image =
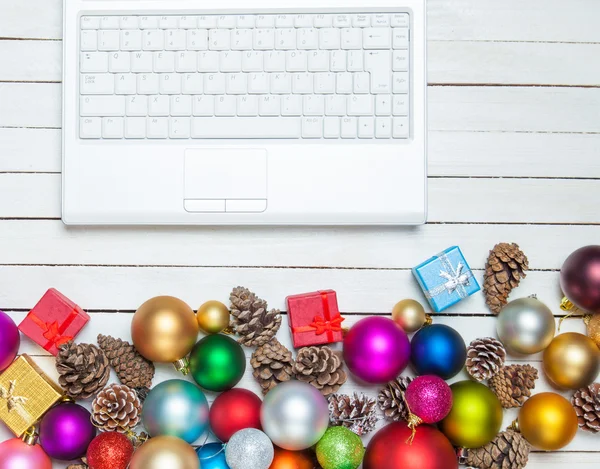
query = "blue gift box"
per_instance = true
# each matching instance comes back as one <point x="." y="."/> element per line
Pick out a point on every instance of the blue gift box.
<point x="446" y="279"/>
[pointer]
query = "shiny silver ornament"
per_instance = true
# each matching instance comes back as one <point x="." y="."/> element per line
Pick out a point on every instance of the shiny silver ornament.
<point x="249" y="449"/>
<point x="526" y="326"/>
<point x="294" y="415"/>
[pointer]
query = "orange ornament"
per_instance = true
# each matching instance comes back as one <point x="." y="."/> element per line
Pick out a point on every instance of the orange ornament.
<point x="285" y="459"/>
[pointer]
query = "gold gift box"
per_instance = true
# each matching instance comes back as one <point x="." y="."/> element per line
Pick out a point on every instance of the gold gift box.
<point x="26" y="393"/>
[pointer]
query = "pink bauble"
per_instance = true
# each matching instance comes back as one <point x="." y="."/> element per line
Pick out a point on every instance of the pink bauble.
<point x="429" y="398"/>
<point x="16" y="454"/>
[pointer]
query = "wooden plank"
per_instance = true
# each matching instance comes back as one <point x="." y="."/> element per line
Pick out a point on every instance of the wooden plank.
<point x="31" y="19"/>
<point x="457" y="200"/>
<point x="34" y="150"/>
<point x="31" y="60"/>
<point x="30" y="105"/>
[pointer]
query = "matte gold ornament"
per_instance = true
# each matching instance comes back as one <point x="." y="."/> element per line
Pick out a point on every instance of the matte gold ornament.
<point x="165" y="452"/>
<point x="572" y="361"/>
<point x="164" y="329"/>
<point x="592" y="321"/>
<point x="410" y="315"/>
<point x="213" y="317"/>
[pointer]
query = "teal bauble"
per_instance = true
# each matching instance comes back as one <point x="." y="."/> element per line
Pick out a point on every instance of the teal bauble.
<point x="217" y="363"/>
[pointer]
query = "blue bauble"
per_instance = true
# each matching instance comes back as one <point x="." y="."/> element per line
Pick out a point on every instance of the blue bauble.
<point x="212" y="456"/>
<point x="176" y="408"/>
<point x="438" y="350"/>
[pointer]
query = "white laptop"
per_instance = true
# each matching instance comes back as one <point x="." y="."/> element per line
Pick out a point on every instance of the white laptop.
<point x="239" y="112"/>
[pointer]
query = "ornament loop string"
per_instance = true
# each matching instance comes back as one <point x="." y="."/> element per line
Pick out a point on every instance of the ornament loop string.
<point x="412" y="420"/>
<point x="223" y="446"/>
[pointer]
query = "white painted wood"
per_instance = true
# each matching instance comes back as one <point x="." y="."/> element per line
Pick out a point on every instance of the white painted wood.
<point x="34" y="150"/>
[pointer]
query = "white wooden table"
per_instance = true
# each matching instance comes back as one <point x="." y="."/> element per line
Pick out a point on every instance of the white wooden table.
<point x="514" y="119"/>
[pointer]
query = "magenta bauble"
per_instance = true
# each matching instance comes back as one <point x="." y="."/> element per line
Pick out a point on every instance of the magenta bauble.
<point x="16" y="454"/>
<point x="429" y="398"/>
<point x="376" y="350"/>
<point x="66" y="431"/>
<point x="9" y="340"/>
<point x="580" y="278"/>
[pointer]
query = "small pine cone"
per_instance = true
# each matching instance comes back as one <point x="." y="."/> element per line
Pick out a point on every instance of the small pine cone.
<point x="485" y="357"/>
<point x="251" y="318"/>
<point x="513" y="384"/>
<point x="82" y="465"/>
<point x="116" y="408"/>
<point x="83" y="369"/>
<point x="509" y="450"/>
<point x="356" y="413"/>
<point x="272" y="364"/>
<point x="587" y="405"/>
<point x="321" y="367"/>
<point x="505" y="267"/>
<point x="391" y="399"/>
<point x="142" y="393"/>
<point x="132" y="369"/>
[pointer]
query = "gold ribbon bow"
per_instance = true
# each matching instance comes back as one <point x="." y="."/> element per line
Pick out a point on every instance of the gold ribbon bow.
<point x="14" y="402"/>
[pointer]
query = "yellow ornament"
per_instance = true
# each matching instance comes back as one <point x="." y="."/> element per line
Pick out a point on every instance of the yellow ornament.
<point x="165" y="452"/>
<point x="548" y="421"/>
<point x="572" y="361"/>
<point x="213" y="317"/>
<point x="592" y="321"/>
<point x="410" y="315"/>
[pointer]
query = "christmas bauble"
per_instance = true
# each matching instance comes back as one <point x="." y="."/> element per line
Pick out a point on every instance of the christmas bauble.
<point x="9" y="340"/>
<point x="389" y="449"/>
<point x="593" y="327"/>
<point x="110" y="450"/>
<point x="525" y="326"/>
<point x="548" y="421"/>
<point x="164" y="452"/>
<point x="572" y="361"/>
<point x="176" y="408"/>
<point x="213" y="317"/>
<point x="217" y="362"/>
<point x="476" y="415"/>
<point x="66" y="431"/>
<point x="285" y="459"/>
<point x="16" y="454"/>
<point x="249" y="449"/>
<point x="438" y="350"/>
<point x="340" y="448"/>
<point x="233" y="411"/>
<point x="409" y="315"/>
<point x="429" y="398"/>
<point x="164" y="329"/>
<point x="376" y="350"/>
<point x="212" y="456"/>
<point x="580" y="278"/>
<point x="294" y="415"/>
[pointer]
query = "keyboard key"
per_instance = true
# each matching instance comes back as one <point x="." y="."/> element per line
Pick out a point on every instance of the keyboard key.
<point x="141" y="62"/>
<point x="335" y="105"/>
<point x="192" y="83"/>
<point x="323" y="21"/>
<point x="203" y="106"/>
<point x="148" y="22"/>
<point x="342" y="21"/>
<point x="312" y="127"/>
<point x="314" y="105"/>
<point x="318" y="61"/>
<point x="400" y="127"/>
<point x="338" y="61"/>
<point x="247" y="106"/>
<point x="360" y="105"/>
<point x="383" y="127"/>
<point x="128" y="22"/>
<point x="377" y="38"/>
<point x="112" y="127"/>
<point x="90" y="22"/>
<point x="379" y="64"/>
<point x="135" y="127"/>
<point x="188" y="22"/>
<point x="329" y="38"/>
<point x="153" y="39"/>
<point x="302" y="83"/>
<point x="93" y="62"/>
<point x="90" y="127"/>
<point x="265" y="21"/>
<point x="361" y="21"/>
<point x="208" y="61"/>
<point x="136" y="106"/>
<point x="125" y="83"/>
<point x="102" y="83"/>
<point x="179" y="127"/>
<point x="109" y="22"/>
<point x="102" y="106"/>
<point x="167" y="22"/>
<point x="349" y="127"/>
<point x="356" y="61"/>
<point x="366" y="127"/>
<point x="245" y="22"/>
<point x="242" y="39"/>
<point x="186" y="61"/>
<point x="197" y="39"/>
<point x="380" y="20"/>
<point x="296" y="61"/>
<point x="176" y="39"/>
<point x="119" y="62"/>
<point x="275" y="61"/>
<point x="157" y="127"/>
<point x="324" y="83"/>
<point x="170" y="83"/>
<point x="400" y="61"/>
<point x="307" y="39"/>
<point x="400" y="105"/>
<point x="264" y="39"/>
<point x="253" y="61"/>
<point x="344" y="83"/>
<point x="401" y="38"/>
<point x="147" y="83"/>
<point x="258" y="83"/>
<point x="164" y="62"/>
<point x="269" y="105"/>
<point x="383" y="105"/>
<point x="291" y="105"/>
<point x="351" y="38"/>
<point x="331" y="127"/>
<point x="400" y="82"/>
<point x="281" y="83"/>
<point x="400" y="20"/>
<point x="225" y="106"/>
<point x="230" y="61"/>
<point x="214" y="83"/>
<point x="108" y="40"/>
<point x="236" y="83"/>
<point x="207" y="22"/>
<point x="303" y="21"/>
<point x="361" y="82"/>
<point x="219" y="39"/>
<point x="226" y="21"/>
<point x="158" y="106"/>
<point x="89" y="40"/>
<point x="284" y="21"/>
<point x="246" y="127"/>
<point x="285" y="39"/>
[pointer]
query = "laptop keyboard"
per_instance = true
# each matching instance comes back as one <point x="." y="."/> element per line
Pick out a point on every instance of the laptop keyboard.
<point x="321" y="76"/>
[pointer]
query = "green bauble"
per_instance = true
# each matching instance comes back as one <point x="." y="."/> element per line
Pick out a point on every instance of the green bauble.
<point x="340" y="449"/>
<point x="217" y="362"/>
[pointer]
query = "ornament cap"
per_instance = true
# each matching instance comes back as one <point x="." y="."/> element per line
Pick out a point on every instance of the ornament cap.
<point x="566" y="304"/>
<point x="515" y="426"/>
<point x="183" y="366"/>
<point x="30" y="436"/>
<point x="428" y="320"/>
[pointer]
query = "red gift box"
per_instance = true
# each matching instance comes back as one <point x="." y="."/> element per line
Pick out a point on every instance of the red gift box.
<point x="54" y="321"/>
<point x="315" y="318"/>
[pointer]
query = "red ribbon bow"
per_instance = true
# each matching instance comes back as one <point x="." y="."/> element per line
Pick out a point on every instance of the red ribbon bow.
<point x="320" y="325"/>
<point x="52" y="332"/>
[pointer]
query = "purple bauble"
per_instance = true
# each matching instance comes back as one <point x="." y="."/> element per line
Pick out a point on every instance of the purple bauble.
<point x="66" y="431"/>
<point x="376" y="350"/>
<point x="580" y="278"/>
<point x="9" y="340"/>
<point x="429" y="398"/>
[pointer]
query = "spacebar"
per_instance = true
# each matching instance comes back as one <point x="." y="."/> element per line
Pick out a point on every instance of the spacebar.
<point x="259" y="127"/>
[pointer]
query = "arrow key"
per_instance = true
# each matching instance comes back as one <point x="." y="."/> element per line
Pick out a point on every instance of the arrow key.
<point x="366" y="127"/>
<point x="383" y="127"/>
<point x="377" y="38"/>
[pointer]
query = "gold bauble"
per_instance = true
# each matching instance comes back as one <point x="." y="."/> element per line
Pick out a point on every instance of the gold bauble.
<point x="165" y="452"/>
<point x="548" y="421"/>
<point x="213" y="317"/>
<point x="593" y="327"/>
<point x="572" y="361"/>
<point x="164" y="329"/>
<point x="409" y="315"/>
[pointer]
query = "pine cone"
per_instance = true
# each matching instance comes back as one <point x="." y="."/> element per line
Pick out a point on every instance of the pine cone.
<point x="273" y="364"/>
<point x="485" y="357"/>
<point x="505" y="267"/>
<point x="116" y="408"/>
<point x="83" y="369"/>
<point x="391" y="399"/>
<point x="509" y="450"/>
<point x="132" y="369"/>
<point x="356" y="413"/>
<point x="587" y="405"/>
<point x="83" y="465"/>
<point x="513" y="384"/>
<point x="251" y="319"/>
<point x="321" y="367"/>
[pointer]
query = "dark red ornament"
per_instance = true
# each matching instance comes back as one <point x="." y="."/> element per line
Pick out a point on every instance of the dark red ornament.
<point x="234" y="410"/>
<point x="110" y="450"/>
<point x="389" y="449"/>
<point x="580" y="278"/>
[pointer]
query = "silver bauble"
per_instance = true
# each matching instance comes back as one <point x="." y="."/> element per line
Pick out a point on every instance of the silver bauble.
<point x="294" y="415"/>
<point x="249" y="449"/>
<point x="526" y="326"/>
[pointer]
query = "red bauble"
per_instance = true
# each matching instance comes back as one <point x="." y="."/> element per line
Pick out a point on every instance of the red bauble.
<point x="580" y="278"/>
<point x="234" y="410"/>
<point x="110" y="450"/>
<point x="389" y="450"/>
